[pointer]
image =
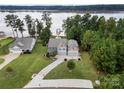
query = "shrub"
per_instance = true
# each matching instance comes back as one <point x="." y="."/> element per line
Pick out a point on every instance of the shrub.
<point x="71" y="65"/>
<point x="120" y="55"/>
<point x="110" y="81"/>
<point x="52" y="54"/>
<point x="48" y="55"/>
<point x="9" y="69"/>
<point x="104" y="54"/>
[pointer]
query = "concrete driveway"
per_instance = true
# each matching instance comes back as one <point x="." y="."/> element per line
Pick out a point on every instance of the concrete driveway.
<point x="8" y="58"/>
<point x="38" y="82"/>
<point x="45" y="71"/>
<point x="67" y="57"/>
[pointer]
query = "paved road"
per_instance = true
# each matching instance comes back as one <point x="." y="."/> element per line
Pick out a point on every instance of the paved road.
<point x="61" y="83"/>
<point x="8" y="58"/>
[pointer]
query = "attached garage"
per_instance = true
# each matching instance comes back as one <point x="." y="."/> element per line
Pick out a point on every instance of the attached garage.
<point x="73" y="49"/>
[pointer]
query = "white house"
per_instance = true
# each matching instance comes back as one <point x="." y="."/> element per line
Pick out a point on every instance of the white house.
<point x="24" y="45"/>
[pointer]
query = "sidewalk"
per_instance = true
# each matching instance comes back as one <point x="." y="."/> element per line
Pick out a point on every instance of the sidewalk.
<point x="8" y="58"/>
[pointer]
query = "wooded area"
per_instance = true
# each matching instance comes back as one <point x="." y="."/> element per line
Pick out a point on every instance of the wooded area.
<point x="104" y="40"/>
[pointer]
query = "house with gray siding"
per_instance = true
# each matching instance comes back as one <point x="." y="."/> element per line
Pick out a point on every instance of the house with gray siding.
<point x="63" y="47"/>
<point x="73" y="49"/>
<point x="22" y="45"/>
<point x="57" y="46"/>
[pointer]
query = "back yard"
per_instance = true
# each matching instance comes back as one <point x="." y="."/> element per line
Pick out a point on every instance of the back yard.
<point x="18" y="73"/>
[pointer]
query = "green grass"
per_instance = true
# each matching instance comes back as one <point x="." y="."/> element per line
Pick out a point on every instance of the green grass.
<point x="84" y="70"/>
<point x="4" y="45"/>
<point x="5" y="41"/>
<point x="23" y="68"/>
<point x="1" y="60"/>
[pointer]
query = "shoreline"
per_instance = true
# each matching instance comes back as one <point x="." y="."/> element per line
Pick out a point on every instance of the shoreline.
<point x="63" y="11"/>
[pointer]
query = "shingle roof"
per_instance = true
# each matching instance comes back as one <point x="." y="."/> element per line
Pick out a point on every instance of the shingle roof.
<point x="1" y="32"/>
<point x="55" y="42"/>
<point x="72" y="43"/>
<point x="24" y="43"/>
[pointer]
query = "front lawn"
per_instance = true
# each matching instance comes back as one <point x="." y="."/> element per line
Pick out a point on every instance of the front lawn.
<point x="1" y="60"/>
<point x="84" y="70"/>
<point x="4" y="43"/>
<point x="23" y="68"/>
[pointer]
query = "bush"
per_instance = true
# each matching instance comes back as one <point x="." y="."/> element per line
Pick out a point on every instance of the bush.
<point x="104" y="53"/>
<point x="9" y="69"/>
<point x="53" y="54"/>
<point x="71" y="65"/>
<point x="48" y="55"/>
<point x="110" y="81"/>
<point x="120" y="55"/>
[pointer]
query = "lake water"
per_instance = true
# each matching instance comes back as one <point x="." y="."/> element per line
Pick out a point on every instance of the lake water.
<point x="57" y="19"/>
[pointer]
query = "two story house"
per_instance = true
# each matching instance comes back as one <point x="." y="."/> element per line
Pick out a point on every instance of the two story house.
<point x="57" y="46"/>
<point x="63" y="47"/>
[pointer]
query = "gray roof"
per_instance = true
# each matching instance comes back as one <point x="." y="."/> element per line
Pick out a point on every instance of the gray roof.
<point x="1" y="32"/>
<point x="24" y="43"/>
<point x="55" y="42"/>
<point x="72" y="43"/>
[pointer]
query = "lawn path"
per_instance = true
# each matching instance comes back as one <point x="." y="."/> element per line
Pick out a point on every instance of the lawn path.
<point x="8" y="58"/>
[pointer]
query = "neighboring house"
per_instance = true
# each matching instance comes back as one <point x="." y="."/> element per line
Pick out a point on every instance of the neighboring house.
<point x="63" y="47"/>
<point x="73" y="49"/>
<point x="22" y="45"/>
<point x="2" y="34"/>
